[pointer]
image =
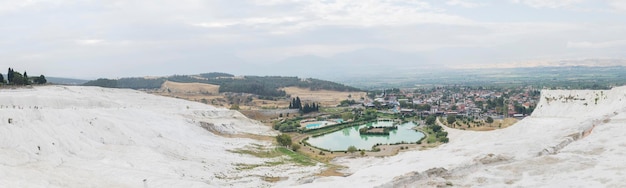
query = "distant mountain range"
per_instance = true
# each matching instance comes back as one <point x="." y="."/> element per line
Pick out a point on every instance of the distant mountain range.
<point x="548" y="63"/>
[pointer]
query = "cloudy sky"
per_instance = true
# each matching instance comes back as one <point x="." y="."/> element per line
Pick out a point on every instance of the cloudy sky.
<point x="119" y="38"/>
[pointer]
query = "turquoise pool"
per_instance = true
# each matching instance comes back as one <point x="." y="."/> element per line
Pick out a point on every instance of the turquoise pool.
<point x="341" y="140"/>
<point x="313" y="125"/>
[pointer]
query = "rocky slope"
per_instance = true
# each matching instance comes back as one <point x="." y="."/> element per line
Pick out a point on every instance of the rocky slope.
<point x="56" y="136"/>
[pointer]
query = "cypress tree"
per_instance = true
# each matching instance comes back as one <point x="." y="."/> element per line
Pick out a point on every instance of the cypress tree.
<point x="1" y="79"/>
<point x="292" y="105"/>
<point x="26" y="79"/>
<point x="298" y="103"/>
<point x="10" y="76"/>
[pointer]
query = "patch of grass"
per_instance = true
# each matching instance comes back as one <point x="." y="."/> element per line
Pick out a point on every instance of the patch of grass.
<point x="431" y="139"/>
<point x="243" y="166"/>
<point x="271" y="179"/>
<point x="258" y="153"/>
<point x="296" y="157"/>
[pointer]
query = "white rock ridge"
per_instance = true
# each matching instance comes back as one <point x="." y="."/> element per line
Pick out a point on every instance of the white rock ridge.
<point x="56" y="136"/>
<point x="573" y="139"/>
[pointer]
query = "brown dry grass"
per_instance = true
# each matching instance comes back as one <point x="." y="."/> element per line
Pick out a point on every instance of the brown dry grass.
<point x="332" y="171"/>
<point x="325" y="97"/>
<point x="497" y="124"/>
<point x="258" y="103"/>
<point x="176" y="87"/>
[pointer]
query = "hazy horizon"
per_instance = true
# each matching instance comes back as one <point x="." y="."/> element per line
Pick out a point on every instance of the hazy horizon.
<point x="93" y="39"/>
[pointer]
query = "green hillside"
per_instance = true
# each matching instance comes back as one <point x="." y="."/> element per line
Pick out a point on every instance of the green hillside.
<point x="260" y="85"/>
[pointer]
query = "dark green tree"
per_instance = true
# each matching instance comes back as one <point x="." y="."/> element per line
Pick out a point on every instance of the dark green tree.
<point x="295" y="147"/>
<point x="435" y="128"/>
<point x="351" y="149"/>
<point x="489" y="120"/>
<point x="26" y="79"/>
<point x="1" y="79"/>
<point x="17" y="79"/>
<point x="41" y="80"/>
<point x="430" y="120"/>
<point x="451" y="119"/>
<point x="298" y="103"/>
<point x="10" y="76"/>
<point x="284" y="140"/>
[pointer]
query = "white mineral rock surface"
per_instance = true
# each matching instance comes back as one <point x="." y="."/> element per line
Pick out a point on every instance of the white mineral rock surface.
<point x="572" y="139"/>
<point x="94" y="137"/>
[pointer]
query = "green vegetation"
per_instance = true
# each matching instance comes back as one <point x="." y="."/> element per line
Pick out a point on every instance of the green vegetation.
<point x="15" y="78"/>
<point x="306" y="108"/>
<point x="434" y="133"/>
<point x="451" y="119"/>
<point x="351" y="149"/>
<point x="261" y="152"/>
<point x="267" y="86"/>
<point x="288" y="125"/>
<point x="489" y="120"/>
<point x="284" y="140"/>
<point x="386" y="130"/>
<point x="295" y="147"/>
<point x="346" y="103"/>
<point x="430" y="120"/>
<point x="296" y="157"/>
<point x="132" y="83"/>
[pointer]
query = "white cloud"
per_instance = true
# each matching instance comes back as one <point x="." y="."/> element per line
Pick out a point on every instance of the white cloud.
<point x="597" y="45"/>
<point x="89" y="41"/>
<point x="264" y="31"/>
<point x="619" y="5"/>
<point x="549" y="3"/>
<point x="464" y="3"/>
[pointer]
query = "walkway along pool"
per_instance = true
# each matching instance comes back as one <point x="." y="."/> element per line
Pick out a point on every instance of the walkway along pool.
<point x="341" y="140"/>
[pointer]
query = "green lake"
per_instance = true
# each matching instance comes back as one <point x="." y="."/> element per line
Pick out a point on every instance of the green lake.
<point x="341" y="140"/>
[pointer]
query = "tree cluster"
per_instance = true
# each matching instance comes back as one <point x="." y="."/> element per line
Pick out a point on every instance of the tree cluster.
<point x="265" y="86"/>
<point x="16" y="78"/>
<point x="440" y="134"/>
<point x="284" y="140"/>
<point x="451" y="119"/>
<point x="132" y="83"/>
<point x="306" y="108"/>
<point x="489" y="120"/>
<point x="430" y="120"/>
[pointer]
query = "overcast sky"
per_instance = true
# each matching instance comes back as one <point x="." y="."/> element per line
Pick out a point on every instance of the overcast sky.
<point x="119" y="38"/>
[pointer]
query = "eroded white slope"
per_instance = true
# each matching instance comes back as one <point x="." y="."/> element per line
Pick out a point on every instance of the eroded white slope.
<point x="542" y="150"/>
<point x="95" y="137"/>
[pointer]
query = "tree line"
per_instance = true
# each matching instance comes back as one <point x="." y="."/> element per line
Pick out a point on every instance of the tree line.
<point x="267" y="86"/>
<point x="306" y="108"/>
<point x="16" y="78"/>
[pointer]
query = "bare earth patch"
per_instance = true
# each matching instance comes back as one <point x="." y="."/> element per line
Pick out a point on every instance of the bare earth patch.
<point x="190" y="88"/>
<point x="325" y="97"/>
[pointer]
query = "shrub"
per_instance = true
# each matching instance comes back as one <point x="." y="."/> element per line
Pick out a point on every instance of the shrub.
<point x="444" y="140"/>
<point x="295" y="147"/>
<point x="284" y="140"/>
<point x="352" y="149"/>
